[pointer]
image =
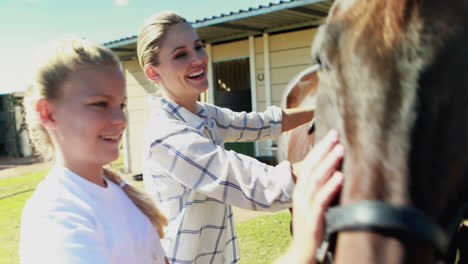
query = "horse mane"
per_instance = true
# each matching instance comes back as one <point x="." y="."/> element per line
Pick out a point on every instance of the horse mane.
<point x="391" y="18"/>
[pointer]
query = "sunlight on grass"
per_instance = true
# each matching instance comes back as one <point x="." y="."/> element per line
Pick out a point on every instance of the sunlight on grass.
<point x="263" y="239"/>
<point x="14" y="192"/>
<point x="22" y="182"/>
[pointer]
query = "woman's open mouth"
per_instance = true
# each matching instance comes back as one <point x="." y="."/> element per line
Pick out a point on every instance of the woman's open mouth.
<point x="197" y="75"/>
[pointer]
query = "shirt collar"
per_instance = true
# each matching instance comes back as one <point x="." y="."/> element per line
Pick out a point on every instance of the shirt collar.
<point x="61" y="171"/>
<point x="197" y="121"/>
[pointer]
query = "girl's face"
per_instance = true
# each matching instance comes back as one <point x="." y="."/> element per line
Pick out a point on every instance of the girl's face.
<point x="182" y="68"/>
<point x="88" y="115"/>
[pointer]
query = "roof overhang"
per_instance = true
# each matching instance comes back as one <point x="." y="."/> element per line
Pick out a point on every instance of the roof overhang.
<point x="274" y="18"/>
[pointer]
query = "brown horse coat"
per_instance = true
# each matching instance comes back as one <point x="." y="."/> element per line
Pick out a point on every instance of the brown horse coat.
<point x="395" y="84"/>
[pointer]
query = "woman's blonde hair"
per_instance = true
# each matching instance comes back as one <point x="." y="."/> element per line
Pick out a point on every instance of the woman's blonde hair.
<point x="152" y="34"/>
<point x="62" y="58"/>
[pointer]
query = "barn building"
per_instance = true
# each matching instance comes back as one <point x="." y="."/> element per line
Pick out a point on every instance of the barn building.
<point x="253" y="54"/>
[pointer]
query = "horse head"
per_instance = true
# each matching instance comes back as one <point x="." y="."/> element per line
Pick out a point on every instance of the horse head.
<point x="394" y="83"/>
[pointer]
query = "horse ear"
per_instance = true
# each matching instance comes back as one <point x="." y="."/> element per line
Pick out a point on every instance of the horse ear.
<point x="303" y="83"/>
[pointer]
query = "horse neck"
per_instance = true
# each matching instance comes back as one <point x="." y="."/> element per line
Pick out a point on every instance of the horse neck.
<point x="439" y="139"/>
<point x="374" y="248"/>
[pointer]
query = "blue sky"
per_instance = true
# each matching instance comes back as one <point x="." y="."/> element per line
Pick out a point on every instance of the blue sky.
<point x="26" y="25"/>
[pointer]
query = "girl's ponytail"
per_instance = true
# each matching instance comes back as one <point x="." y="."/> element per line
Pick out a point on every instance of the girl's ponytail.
<point x="141" y="200"/>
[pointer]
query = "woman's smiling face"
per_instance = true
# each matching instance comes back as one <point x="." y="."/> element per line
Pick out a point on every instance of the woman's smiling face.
<point x="182" y="68"/>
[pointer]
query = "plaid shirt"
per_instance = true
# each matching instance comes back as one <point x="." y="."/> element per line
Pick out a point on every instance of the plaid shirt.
<point x="194" y="180"/>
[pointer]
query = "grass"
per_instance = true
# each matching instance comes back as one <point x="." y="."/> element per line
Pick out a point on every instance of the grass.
<point x="264" y="238"/>
<point x="14" y="192"/>
<point x="261" y="239"/>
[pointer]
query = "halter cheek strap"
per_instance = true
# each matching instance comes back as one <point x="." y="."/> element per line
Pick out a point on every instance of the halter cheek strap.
<point x="383" y="218"/>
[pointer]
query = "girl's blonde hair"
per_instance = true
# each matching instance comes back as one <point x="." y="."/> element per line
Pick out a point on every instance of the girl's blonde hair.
<point x="141" y="200"/>
<point x="59" y="61"/>
<point x="152" y="34"/>
<point x="56" y="62"/>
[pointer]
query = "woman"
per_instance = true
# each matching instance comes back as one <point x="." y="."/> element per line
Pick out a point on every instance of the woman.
<point x="187" y="171"/>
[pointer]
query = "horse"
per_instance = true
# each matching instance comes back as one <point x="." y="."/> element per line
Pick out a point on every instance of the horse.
<point x="393" y="81"/>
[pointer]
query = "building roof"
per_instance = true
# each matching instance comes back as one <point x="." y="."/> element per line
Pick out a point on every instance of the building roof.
<point x="14" y="94"/>
<point x="272" y="18"/>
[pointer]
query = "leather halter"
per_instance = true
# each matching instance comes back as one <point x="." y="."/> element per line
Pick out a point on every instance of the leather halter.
<point x="390" y="220"/>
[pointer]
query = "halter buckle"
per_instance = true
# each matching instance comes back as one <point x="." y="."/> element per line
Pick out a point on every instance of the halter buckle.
<point x="321" y="252"/>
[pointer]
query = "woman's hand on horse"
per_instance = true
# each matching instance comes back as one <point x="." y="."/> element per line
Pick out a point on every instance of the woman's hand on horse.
<point x="318" y="183"/>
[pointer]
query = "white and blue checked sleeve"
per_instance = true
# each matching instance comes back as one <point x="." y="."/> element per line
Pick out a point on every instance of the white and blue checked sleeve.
<point x="194" y="160"/>
<point x="243" y="126"/>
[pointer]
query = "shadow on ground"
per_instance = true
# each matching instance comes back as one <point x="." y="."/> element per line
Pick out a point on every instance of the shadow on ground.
<point x="7" y="162"/>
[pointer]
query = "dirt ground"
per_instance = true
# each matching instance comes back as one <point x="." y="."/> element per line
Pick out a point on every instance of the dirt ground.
<point x="10" y="162"/>
<point x="9" y="167"/>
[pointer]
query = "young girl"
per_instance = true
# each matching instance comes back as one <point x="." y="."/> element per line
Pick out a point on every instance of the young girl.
<point x="186" y="169"/>
<point x="82" y="212"/>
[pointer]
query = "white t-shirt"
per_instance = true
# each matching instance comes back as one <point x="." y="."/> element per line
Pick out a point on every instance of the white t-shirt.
<point x="71" y="220"/>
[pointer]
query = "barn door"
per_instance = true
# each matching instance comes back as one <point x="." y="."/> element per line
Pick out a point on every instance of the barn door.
<point x="232" y="90"/>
